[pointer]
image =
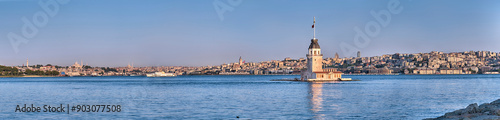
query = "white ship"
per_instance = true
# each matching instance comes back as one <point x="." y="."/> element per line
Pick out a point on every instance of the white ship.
<point x="161" y="74"/>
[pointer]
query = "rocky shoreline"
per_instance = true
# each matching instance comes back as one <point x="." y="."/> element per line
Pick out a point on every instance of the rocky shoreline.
<point x="486" y="111"/>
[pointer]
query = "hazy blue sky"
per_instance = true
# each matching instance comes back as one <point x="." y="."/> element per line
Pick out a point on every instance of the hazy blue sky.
<point x="190" y="32"/>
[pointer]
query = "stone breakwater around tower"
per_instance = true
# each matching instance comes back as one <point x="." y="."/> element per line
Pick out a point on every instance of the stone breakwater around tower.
<point x="486" y="111"/>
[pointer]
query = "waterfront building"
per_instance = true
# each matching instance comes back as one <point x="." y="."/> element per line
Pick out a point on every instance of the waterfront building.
<point x="424" y="71"/>
<point x="315" y="71"/>
<point x="450" y="71"/>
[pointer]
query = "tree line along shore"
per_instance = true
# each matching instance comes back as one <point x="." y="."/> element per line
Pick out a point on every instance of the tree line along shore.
<point x="14" y="72"/>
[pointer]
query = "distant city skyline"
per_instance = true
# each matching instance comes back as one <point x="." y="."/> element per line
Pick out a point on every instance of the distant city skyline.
<point x="185" y="33"/>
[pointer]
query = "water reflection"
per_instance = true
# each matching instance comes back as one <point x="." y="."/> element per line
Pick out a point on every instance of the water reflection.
<point x="316" y="99"/>
<point x="315" y="96"/>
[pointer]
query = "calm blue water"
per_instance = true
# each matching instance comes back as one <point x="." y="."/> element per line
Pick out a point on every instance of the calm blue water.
<point x="254" y="97"/>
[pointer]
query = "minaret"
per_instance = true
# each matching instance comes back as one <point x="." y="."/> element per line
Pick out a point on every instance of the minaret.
<point x="241" y="61"/>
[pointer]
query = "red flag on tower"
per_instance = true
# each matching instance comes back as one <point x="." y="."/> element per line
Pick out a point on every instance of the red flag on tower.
<point x="314" y="22"/>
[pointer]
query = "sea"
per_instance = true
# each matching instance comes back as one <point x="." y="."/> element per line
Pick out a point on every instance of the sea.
<point x="245" y="97"/>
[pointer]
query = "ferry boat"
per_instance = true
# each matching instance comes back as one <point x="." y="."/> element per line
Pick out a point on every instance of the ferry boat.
<point x="161" y="74"/>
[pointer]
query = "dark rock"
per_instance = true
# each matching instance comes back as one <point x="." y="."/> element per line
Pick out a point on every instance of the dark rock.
<point x="466" y="118"/>
<point x="488" y="109"/>
<point x="496" y="102"/>
<point x="483" y="108"/>
<point x="456" y="113"/>
<point x="472" y="108"/>
<point x="475" y="112"/>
